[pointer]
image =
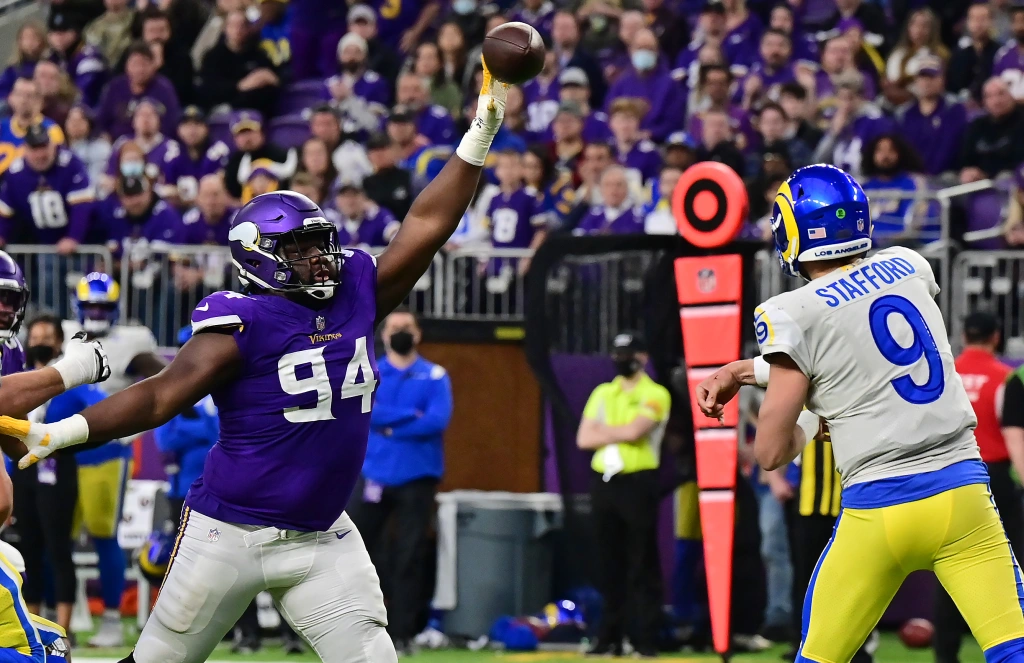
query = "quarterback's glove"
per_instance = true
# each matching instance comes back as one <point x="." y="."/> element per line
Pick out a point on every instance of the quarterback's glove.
<point x="43" y="439"/>
<point x="490" y="110"/>
<point x="83" y="362"/>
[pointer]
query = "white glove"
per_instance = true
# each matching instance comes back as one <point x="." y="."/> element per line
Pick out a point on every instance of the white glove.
<point x="490" y="110"/>
<point x="83" y="362"/>
<point x="43" y="439"/>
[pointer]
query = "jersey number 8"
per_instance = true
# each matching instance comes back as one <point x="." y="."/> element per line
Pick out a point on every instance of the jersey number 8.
<point x="319" y="382"/>
<point x="923" y="346"/>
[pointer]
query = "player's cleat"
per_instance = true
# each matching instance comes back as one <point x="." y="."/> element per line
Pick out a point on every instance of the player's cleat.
<point x="110" y="633"/>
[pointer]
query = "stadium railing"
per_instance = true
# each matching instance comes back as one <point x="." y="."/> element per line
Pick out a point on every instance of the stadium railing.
<point x="990" y="281"/>
<point x="52" y="277"/>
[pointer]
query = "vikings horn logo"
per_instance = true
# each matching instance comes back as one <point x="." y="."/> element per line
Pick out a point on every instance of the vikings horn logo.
<point x="247" y="234"/>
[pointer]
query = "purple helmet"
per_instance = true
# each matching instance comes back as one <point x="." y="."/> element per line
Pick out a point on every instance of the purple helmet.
<point x="272" y="241"/>
<point x="13" y="296"/>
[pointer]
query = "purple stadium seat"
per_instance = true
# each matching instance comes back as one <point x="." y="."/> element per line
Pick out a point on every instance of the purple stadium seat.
<point x="984" y="212"/>
<point x="302" y="95"/>
<point x="288" y="130"/>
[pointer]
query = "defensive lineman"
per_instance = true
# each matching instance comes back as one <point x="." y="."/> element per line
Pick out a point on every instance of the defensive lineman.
<point x="290" y="365"/>
<point x="864" y="346"/>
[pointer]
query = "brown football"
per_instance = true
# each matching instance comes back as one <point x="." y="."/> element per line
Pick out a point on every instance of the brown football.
<point x="514" y="52"/>
<point x="917" y="633"/>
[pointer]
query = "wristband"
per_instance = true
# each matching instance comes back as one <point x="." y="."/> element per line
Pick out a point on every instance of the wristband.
<point x="809" y="423"/>
<point x="475" y="144"/>
<point x="761" y="370"/>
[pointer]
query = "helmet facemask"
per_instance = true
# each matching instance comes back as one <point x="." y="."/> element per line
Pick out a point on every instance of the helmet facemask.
<point x="307" y="260"/>
<point x="13" y="300"/>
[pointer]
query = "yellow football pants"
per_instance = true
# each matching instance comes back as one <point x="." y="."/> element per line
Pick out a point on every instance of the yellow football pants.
<point x="956" y="533"/>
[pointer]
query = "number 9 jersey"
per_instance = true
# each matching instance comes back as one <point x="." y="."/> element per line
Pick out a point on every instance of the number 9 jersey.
<point x="873" y="342"/>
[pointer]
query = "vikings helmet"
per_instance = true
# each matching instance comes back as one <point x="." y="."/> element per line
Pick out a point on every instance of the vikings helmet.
<point x="13" y="297"/>
<point x="820" y="213"/>
<point x="267" y="237"/>
<point x="97" y="303"/>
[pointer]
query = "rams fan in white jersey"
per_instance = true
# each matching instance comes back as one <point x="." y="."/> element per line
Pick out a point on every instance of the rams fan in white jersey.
<point x="863" y="346"/>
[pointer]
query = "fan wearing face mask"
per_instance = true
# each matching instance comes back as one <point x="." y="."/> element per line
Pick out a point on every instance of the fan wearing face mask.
<point x="404" y="463"/>
<point x="623" y="424"/>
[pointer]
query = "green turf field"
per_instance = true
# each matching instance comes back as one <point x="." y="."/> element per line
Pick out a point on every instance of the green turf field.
<point x="891" y="651"/>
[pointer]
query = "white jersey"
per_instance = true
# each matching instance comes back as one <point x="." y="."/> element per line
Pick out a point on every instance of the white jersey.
<point x="122" y="343"/>
<point x="872" y="341"/>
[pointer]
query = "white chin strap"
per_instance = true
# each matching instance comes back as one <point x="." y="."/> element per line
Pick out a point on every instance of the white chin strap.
<point x="96" y="326"/>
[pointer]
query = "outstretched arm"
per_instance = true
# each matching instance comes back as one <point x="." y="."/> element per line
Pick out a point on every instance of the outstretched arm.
<point x="437" y="211"/>
<point x="715" y="391"/>
<point x="208" y="359"/>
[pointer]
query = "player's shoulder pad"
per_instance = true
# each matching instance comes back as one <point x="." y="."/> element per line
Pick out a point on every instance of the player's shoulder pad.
<point x="191" y="216"/>
<point x="17" y="166"/>
<point x="647" y="145"/>
<point x="439" y="111"/>
<point x="222" y="309"/>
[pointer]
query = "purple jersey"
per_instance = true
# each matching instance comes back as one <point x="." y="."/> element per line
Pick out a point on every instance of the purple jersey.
<point x="936" y="137"/>
<point x="158" y="226"/>
<point x="197" y="229"/>
<point x="44" y="207"/>
<point x="664" y="95"/>
<point x="740" y="45"/>
<point x="849" y="145"/>
<point x="541" y="99"/>
<point x="87" y="70"/>
<point x="542" y="19"/>
<point x="184" y="172"/>
<point x="824" y="88"/>
<point x="771" y="80"/>
<point x="394" y="17"/>
<point x="601" y="220"/>
<point x="156" y="151"/>
<point x="435" y="123"/>
<point x="369" y="86"/>
<point x="643" y="158"/>
<point x="1009" y="65"/>
<point x="377" y="228"/>
<point x="114" y="115"/>
<point x="12" y="357"/>
<point x="13" y="73"/>
<point x="513" y="218"/>
<point x="295" y="421"/>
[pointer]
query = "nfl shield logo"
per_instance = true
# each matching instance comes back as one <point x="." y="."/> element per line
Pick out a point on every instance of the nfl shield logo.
<point x="213" y="536"/>
<point x="706" y="280"/>
<point x="321" y="322"/>
<point x="860" y="225"/>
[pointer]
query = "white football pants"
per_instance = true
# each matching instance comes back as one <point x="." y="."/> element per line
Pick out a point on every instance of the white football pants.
<point x="323" y="584"/>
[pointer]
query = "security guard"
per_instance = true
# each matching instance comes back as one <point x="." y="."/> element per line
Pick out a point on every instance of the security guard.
<point x="404" y="463"/>
<point x="623" y="424"/>
<point x="985" y="379"/>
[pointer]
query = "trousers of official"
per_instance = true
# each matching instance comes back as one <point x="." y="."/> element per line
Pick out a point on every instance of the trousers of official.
<point x="395" y="525"/>
<point x="625" y="513"/>
<point x="322" y="583"/>
<point x="45" y="497"/>
<point x="950" y="626"/>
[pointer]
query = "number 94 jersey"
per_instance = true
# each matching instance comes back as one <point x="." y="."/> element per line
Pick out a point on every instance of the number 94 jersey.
<point x="872" y="341"/>
<point x="295" y="419"/>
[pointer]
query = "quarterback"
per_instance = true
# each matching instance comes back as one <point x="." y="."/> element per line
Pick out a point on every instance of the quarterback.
<point x="864" y="346"/>
<point x="291" y="367"/>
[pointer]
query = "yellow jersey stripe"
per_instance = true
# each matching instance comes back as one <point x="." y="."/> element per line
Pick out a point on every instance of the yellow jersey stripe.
<point x="174" y="551"/>
<point x="807" y="463"/>
<point x="826" y="477"/>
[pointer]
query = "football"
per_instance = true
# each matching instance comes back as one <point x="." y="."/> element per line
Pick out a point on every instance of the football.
<point x="514" y="52"/>
<point x="917" y="633"/>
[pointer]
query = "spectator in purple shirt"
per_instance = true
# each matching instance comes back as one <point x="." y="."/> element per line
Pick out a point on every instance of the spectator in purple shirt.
<point x="30" y="45"/>
<point x="541" y="95"/>
<point x="769" y="73"/>
<point x="710" y="31"/>
<point x="208" y="222"/>
<point x="933" y="124"/>
<point x="855" y="122"/>
<point x="316" y="26"/>
<point x="125" y="91"/>
<point x="742" y="34"/>
<point x="634" y="152"/>
<point x="837" y="60"/>
<point x="381" y="58"/>
<point x="615" y="58"/>
<point x="574" y="87"/>
<point x="146" y="134"/>
<point x="538" y="13"/>
<point x="83" y="63"/>
<point x="1009" y="60"/>
<point x="715" y="81"/>
<point x="870" y="15"/>
<point x="402" y="24"/>
<point x="198" y="156"/>
<point x="805" y="47"/>
<point x="134" y="220"/>
<point x="618" y="213"/>
<point x="237" y="71"/>
<point x="971" y="64"/>
<point x="432" y="121"/>
<point x="567" y="136"/>
<point x="670" y="28"/>
<point x="650" y="80"/>
<point x="361" y="222"/>
<point x="355" y="79"/>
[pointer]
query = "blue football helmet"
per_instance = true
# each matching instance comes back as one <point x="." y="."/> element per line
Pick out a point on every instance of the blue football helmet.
<point x="154" y="555"/>
<point x="820" y="213"/>
<point x="97" y="303"/>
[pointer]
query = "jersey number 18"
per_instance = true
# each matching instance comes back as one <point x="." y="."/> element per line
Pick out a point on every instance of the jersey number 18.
<point x="923" y="345"/>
